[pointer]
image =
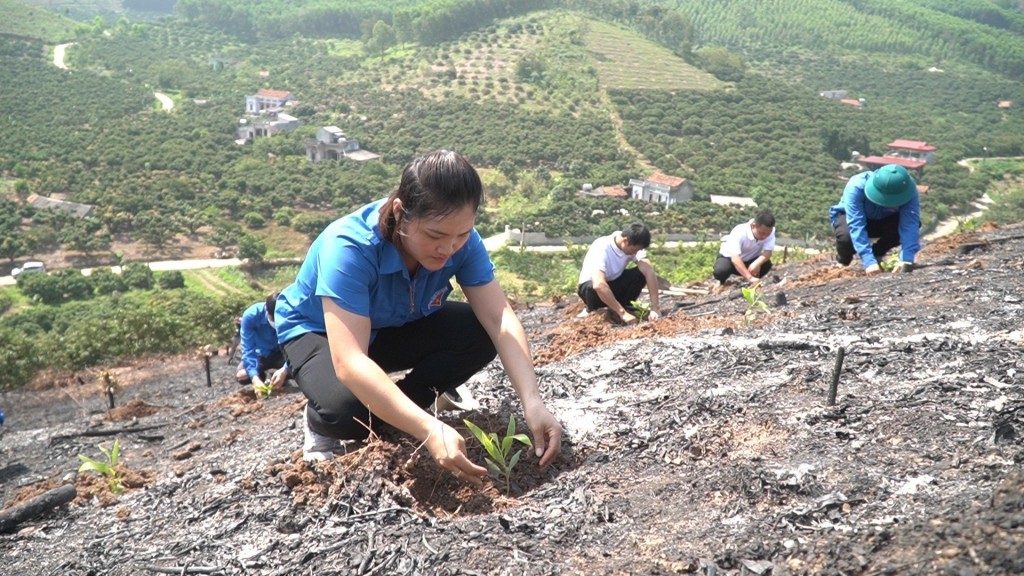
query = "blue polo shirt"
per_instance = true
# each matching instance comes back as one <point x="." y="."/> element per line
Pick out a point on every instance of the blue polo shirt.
<point x="353" y="265"/>
<point x="259" y="339"/>
<point x="859" y="210"/>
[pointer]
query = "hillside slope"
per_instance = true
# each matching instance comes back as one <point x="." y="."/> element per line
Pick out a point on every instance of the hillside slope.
<point x="696" y="444"/>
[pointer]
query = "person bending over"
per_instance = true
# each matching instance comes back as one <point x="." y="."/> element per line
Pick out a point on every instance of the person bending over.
<point x="747" y="250"/>
<point x="371" y="298"/>
<point x="605" y="280"/>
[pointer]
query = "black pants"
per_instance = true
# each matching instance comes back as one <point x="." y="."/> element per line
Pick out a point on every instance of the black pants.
<point x="724" y="268"/>
<point x="626" y="288"/>
<point x="443" y="350"/>
<point x="886" y="230"/>
<point x="266" y="363"/>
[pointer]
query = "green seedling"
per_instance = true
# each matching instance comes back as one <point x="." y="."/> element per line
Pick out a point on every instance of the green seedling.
<point x="263" y="390"/>
<point x="755" y="303"/>
<point x="500" y="459"/>
<point x="108" y="468"/>
<point x="889" y="263"/>
<point x="643" y="310"/>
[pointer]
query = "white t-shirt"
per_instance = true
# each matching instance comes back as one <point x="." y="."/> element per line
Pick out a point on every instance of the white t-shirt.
<point x="741" y="241"/>
<point x="606" y="256"/>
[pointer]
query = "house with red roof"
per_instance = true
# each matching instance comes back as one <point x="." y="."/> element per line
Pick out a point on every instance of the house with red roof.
<point x="911" y="154"/>
<point x="266" y="99"/>
<point x="661" y="188"/>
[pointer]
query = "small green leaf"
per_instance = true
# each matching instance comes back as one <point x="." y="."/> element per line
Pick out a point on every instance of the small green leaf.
<point x="523" y="438"/>
<point x="115" y="452"/>
<point x="515" y="459"/>
<point x="94" y="466"/>
<point x="493" y="467"/>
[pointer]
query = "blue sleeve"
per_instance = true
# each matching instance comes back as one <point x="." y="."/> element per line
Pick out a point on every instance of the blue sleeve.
<point x="346" y="274"/>
<point x="856" y="219"/>
<point x="249" y="342"/>
<point x="910" y="229"/>
<point x="477" y="268"/>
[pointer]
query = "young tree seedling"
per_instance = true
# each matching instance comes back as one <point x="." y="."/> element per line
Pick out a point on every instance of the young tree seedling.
<point x="643" y="310"/>
<point x="500" y="459"/>
<point x="263" y="390"/>
<point x="889" y="263"/>
<point x="755" y="303"/>
<point x="108" y="468"/>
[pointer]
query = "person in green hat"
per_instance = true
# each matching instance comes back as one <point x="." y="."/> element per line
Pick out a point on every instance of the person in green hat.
<point x="882" y="204"/>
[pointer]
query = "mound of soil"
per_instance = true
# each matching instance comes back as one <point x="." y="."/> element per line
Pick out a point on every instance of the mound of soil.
<point x="702" y="443"/>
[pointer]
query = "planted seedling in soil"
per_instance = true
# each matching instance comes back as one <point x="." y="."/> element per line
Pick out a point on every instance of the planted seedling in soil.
<point x="106" y="468"/>
<point x="500" y="459"/>
<point x="642" y="310"/>
<point x="263" y="390"/>
<point x="755" y="303"/>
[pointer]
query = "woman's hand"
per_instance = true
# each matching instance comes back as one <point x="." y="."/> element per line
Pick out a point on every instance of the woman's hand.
<point x="448" y="448"/>
<point x="546" y="432"/>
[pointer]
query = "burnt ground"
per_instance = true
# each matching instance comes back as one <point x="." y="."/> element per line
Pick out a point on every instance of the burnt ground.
<point x="698" y="444"/>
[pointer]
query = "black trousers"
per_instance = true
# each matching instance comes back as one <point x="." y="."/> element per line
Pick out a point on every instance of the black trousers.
<point x="725" y="268"/>
<point x="886" y="230"/>
<point x="443" y="350"/>
<point x="626" y="288"/>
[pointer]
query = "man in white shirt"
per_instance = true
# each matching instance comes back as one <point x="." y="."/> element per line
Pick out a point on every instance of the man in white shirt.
<point x="606" y="282"/>
<point x="747" y="250"/>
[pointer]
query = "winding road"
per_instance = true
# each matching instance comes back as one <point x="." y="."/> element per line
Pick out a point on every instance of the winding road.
<point x="58" y="60"/>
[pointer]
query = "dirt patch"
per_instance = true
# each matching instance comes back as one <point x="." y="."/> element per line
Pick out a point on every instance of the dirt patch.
<point x="700" y="443"/>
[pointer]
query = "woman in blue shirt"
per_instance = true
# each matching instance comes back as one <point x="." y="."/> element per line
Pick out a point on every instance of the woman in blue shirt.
<point x="371" y="298"/>
<point x="882" y="204"/>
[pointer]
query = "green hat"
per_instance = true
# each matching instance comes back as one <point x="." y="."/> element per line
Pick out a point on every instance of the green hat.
<point x="890" y="186"/>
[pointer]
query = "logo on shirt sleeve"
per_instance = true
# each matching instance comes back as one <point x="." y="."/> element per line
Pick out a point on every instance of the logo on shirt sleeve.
<point x="438" y="298"/>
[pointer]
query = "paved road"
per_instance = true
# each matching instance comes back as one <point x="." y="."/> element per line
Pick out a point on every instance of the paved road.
<point x="158" y="267"/>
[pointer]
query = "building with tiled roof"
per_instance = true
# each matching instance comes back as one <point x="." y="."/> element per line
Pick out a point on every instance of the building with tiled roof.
<point x="73" y="208"/>
<point x="661" y="188"/>
<point x="266" y="99"/>
<point x="331" y="143"/>
<point x="911" y="154"/>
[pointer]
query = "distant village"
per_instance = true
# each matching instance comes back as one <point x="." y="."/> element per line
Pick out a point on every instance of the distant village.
<point x="265" y="116"/>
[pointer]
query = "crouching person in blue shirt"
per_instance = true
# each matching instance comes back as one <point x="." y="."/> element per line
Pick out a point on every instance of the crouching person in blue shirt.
<point x="371" y="298"/>
<point x="261" y="353"/>
<point x="882" y="204"/>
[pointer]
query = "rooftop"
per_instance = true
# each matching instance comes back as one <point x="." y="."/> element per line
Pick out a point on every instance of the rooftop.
<point x="911" y="145"/>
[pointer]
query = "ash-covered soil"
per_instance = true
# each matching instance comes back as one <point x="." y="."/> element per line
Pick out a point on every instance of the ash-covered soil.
<point x="699" y="444"/>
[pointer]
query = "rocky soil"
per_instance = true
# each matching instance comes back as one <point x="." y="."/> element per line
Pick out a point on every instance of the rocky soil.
<point x="703" y="443"/>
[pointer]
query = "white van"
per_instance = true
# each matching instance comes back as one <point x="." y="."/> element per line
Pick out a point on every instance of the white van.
<point x="32" y="266"/>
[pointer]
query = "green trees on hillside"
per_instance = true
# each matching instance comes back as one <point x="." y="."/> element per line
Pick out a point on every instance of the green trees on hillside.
<point x="81" y="334"/>
<point x="939" y="30"/>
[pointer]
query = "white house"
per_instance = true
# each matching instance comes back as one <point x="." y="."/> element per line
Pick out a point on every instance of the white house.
<point x="661" y="188"/>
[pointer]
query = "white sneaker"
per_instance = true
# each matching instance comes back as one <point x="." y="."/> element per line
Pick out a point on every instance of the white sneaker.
<point x="316" y="447"/>
<point x="457" y="399"/>
<point x="583" y="314"/>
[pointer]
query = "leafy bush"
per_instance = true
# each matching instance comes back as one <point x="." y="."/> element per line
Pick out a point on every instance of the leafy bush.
<point x="254" y="220"/>
<point x="43" y="288"/>
<point x="106" y="282"/>
<point x="137" y="275"/>
<point x="73" y="284"/>
<point x="19" y="358"/>
<point x="170" y="280"/>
